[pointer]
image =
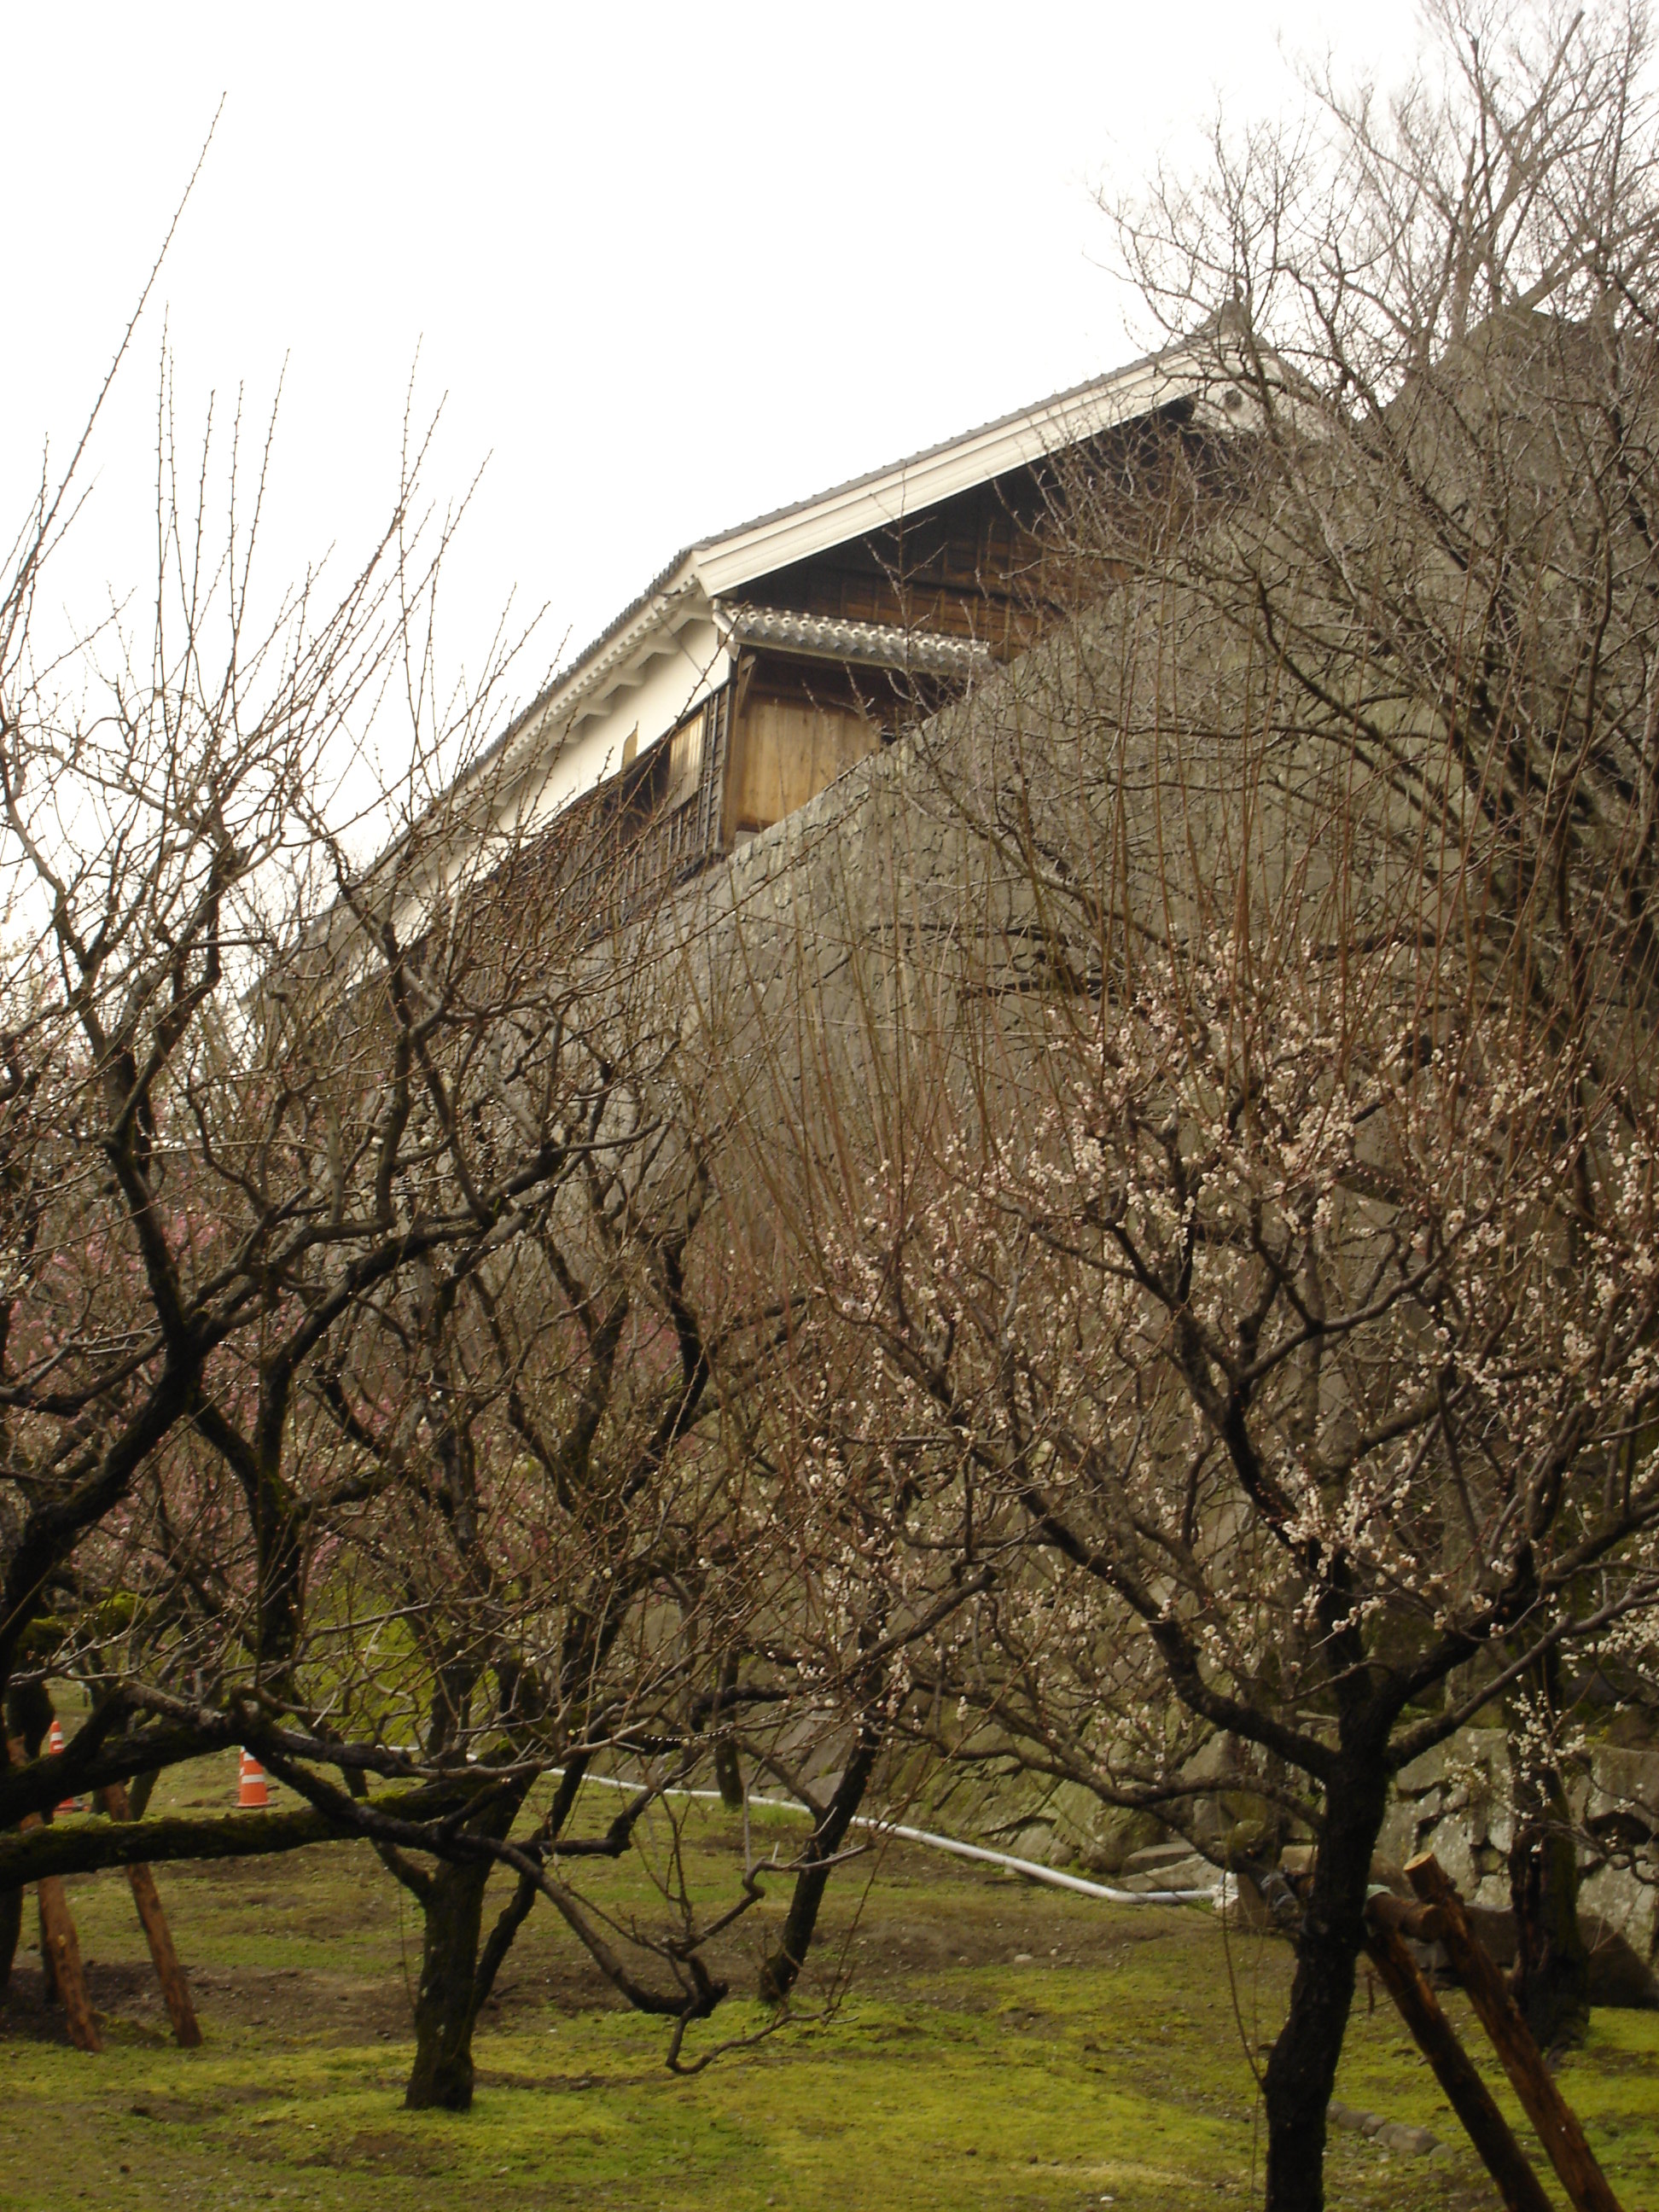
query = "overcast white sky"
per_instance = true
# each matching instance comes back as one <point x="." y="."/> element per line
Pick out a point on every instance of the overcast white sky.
<point x="667" y="266"/>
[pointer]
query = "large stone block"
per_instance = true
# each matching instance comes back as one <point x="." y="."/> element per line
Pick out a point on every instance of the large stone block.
<point x="1423" y="1773"/>
<point x="1398" y="1838"/>
<point x="1624" y="1780"/>
<point x="1628" y="1906"/>
<point x="1115" y="1838"/>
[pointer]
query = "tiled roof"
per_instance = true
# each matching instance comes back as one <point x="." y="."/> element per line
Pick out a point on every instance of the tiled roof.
<point x="1057" y="420"/>
<point x="870" y="645"/>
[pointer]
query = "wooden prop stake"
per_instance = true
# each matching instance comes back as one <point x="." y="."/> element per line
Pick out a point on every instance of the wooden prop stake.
<point x="1552" y="2116"/>
<point x="63" y="1950"/>
<point x="60" y="1950"/>
<point x="1470" y="2099"/>
<point x="175" y="1990"/>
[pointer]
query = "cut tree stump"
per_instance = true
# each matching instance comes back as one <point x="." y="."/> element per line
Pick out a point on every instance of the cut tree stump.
<point x="1553" y="2118"/>
<point x="1470" y="2097"/>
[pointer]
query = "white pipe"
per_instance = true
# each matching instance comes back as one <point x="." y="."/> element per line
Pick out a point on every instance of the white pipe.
<point x="1031" y="1868"/>
<point x="1034" y="1870"/>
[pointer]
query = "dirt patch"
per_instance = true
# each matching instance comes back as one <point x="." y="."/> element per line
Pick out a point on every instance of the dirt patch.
<point x="380" y="2151"/>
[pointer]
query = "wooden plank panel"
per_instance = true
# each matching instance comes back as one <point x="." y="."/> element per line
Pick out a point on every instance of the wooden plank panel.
<point x="786" y="751"/>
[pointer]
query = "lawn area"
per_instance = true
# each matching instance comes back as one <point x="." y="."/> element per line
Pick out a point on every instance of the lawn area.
<point x="996" y="2045"/>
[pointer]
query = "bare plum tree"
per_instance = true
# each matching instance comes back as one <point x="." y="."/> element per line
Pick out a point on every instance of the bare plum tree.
<point x="358" y="1334"/>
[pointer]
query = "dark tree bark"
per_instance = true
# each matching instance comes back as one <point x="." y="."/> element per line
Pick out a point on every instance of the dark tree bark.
<point x="728" y="1771"/>
<point x="1551" y="1980"/>
<point x="27" y="1717"/>
<point x="1303" y="2068"/>
<point x="454" y="1979"/>
<point x="446" y="2004"/>
<point x="11" y="1930"/>
<point x="782" y="1970"/>
<point x="511" y="1917"/>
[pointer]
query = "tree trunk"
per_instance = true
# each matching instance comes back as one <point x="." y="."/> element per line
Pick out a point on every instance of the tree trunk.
<point x="1303" y="2067"/>
<point x="447" y="2004"/>
<point x="28" y="1716"/>
<point x="1551" y="1980"/>
<point x="11" y="1930"/>
<point x="455" y="1980"/>
<point x="17" y="1722"/>
<point x="781" y="1971"/>
<point x="729" y="1774"/>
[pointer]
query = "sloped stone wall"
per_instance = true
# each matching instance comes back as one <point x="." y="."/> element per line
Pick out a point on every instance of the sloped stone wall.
<point x="877" y="864"/>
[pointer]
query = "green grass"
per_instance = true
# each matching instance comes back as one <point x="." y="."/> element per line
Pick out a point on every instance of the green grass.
<point x="997" y="2045"/>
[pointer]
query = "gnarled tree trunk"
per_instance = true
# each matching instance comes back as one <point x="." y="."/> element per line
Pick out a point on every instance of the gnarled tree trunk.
<point x="11" y="1930"/>
<point x="454" y="1979"/>
<point x="446" y="2002"/>
<point x="27" y="1717"/>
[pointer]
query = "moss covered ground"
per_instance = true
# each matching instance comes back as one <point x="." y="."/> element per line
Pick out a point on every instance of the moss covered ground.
<point x="993" y="2045"/>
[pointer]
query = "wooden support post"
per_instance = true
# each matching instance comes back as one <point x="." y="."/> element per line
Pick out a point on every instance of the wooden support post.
<point x="175" y="1990"/>
<point x="62" y="1946"/>
<point x="60" y="1950"/>
<point x="1556" y="2122"/>
<point x="1486" y="2126"/>
<point x="48" y="1971"/>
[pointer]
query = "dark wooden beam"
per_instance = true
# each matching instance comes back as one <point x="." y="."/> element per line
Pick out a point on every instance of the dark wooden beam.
<point x="1556" y="2122"/>
<point x="1387" y="1921"/>
<point x="175" y="1990"/>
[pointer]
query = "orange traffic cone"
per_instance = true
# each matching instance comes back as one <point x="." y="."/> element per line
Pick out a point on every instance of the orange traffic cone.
<point x="54" y="1745"/>
<point x="253" y="1794"/>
